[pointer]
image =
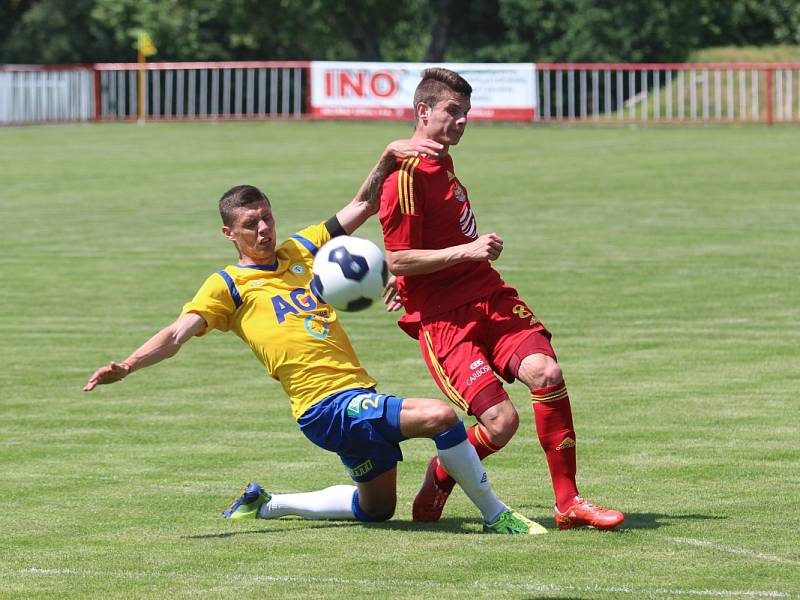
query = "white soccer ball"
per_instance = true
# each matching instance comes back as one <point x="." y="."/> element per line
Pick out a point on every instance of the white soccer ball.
<point x="349" y="273"/>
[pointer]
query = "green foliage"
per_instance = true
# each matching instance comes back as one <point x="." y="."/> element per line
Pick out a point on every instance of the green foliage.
<point x="180" y="29"/>
<point x="784" y="15"/>
<point x="63" y="31"/>
<point x="737" y="22"/>
<point x="55" y="31"/>
<point x="595" y="30"/>
<point x="11" y="12"/>
<point x="748" y="22"/>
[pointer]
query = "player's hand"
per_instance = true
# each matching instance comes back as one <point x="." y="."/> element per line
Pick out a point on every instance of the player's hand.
<point x="411" y="148"/>
<point x="108" y="374"/>
<point x="486" y="247"/>
<point x="391" y="297"/>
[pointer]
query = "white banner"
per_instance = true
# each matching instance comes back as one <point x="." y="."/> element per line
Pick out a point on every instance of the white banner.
<point x="373" y="90"/>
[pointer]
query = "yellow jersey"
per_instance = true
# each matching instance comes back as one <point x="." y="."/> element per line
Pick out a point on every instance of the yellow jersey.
<point x="295" y="335"/>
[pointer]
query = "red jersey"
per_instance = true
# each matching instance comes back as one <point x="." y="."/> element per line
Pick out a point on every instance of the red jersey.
<point x="424" y="206"/>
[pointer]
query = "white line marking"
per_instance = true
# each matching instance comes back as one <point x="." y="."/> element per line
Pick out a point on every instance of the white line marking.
<point x="732" y="550"/>
<point x="438" y="585"/>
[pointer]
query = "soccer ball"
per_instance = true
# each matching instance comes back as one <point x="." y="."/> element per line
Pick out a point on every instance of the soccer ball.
<point x="349" y="273"/>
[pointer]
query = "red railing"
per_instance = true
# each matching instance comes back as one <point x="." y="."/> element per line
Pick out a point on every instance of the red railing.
<point x="565" y="92"/>
<point x="669" y="92"/>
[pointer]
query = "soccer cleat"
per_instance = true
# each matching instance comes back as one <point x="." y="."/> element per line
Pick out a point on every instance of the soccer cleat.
<point x="585" y="514"/>
<point x="510" y="522"/>
<point x="429" y="503"/>
<point x="246" y="506"/>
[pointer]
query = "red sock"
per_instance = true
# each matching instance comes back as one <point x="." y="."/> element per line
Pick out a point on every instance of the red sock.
<point x="478" y="438"/>
<point x="554" y="427"/>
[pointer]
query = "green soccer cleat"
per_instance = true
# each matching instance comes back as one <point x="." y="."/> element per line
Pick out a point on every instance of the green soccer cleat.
<point x="510" y="522"/>
<point x="246" y="506"/>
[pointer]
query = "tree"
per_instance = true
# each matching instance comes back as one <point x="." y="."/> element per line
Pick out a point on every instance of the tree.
<point x="784" y="16"/>
<point x="595" y="30"/>
<point x="52" y="31"/>
<point x="11" y="12"/>
<point x="65" y="31"/>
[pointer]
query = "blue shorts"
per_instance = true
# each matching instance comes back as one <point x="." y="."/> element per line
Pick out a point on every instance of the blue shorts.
<point x="361" y="426"/>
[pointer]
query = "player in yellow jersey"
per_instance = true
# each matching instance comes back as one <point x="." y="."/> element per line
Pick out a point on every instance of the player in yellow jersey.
<point x="268" y="300"/>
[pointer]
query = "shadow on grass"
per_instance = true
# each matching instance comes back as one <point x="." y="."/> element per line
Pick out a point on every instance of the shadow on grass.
<point x="657" y="520"/>
<point x="632" y="521"/>
<point x="447" y="525"/>
<point x="454" y="525"/>
<point x="268" y="528"/>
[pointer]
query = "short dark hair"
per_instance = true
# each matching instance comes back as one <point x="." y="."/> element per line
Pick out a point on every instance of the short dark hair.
<point x="236" y="197"/>
<point x="436" y="83"/>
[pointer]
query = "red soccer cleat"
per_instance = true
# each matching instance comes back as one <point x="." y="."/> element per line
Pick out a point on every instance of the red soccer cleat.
<point x="429" y="503"/>
<point x="585" y="514"/>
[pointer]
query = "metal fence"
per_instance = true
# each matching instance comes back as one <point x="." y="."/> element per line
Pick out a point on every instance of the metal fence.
<point x="41" y="93"/>
<point x="244" y="90"/>
<point x="669" y="93"/>
<point x="611" y="93"/>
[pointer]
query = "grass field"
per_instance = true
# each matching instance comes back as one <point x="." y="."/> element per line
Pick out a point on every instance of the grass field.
<point x="666" y="261"/>
<point x="742" y="54"/>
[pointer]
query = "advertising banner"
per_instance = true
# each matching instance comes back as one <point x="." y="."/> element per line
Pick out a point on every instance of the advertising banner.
<point x="372" y="90"/>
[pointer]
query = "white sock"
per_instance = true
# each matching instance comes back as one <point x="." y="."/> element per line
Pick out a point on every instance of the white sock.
<point x="462" y="463"/>
<point x="335" y="502"/>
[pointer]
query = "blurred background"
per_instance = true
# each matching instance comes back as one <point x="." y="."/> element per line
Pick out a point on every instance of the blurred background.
<point x="88" y="31"/>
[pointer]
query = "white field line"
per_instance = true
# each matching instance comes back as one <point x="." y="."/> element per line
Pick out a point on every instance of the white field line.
<point x="430" y="585"/>
<point x="732" y="550"/>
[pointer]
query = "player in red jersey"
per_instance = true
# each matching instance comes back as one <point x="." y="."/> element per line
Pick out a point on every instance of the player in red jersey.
<point x="471" y="326"/>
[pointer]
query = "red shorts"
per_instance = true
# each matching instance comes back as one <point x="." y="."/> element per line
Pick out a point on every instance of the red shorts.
<point x="467" y="347"/>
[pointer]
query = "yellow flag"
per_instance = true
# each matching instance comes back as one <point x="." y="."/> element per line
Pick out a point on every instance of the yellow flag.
<point x="146" y="46"/>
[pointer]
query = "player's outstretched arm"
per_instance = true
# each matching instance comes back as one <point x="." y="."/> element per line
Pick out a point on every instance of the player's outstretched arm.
<point x="367" y="200"/>
<point x="162" y="345"/>
<point x="419" y="262"/>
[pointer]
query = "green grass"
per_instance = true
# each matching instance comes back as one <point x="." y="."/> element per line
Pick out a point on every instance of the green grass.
<point x="666" y="261"/>
<point x="757" y="54"/>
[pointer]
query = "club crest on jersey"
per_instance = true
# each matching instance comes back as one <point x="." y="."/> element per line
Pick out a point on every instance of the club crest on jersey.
<point x="297" y="268"/>
<point x="459" y="192"/>
<point x="316" y="327"/>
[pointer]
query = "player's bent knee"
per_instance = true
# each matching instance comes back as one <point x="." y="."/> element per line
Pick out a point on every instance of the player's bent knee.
<point x="379" y="513"/>
<point x="441" y="416"/>
<point x="383" y="516"/>
<point x="501" y="423"/>
<point x="502" y="430"/>
<point x="553" y="374"/>
<point x="426" y="417"/>
<point x="538" y="371"/>
<point x="373" y="503"/>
